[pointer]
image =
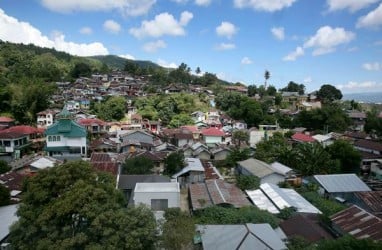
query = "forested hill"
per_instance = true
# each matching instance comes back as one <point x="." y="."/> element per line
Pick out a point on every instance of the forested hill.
<point x="117" y="62"/>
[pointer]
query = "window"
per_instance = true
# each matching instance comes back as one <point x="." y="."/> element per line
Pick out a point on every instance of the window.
<point x="58" y="138"/>
<point x="49" y="138"/>
<point x="54" y="138"/>
<point x="159" y="204"/>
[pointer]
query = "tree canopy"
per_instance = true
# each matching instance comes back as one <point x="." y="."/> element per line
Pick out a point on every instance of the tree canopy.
<point x="294" y="87"/>
<point x="173" y="163"/>
<point x="4" y="167"/>
<point x="73" y="207"/>
<point x="137" y="165"/>
<point x="113" y="109"/>
<point x="328" y="93"/>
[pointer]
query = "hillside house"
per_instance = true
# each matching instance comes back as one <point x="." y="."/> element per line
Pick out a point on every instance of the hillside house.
<point x="193" y="172"/>
<point x="46" y="118"/>
<point x="262" y="170"/>
<point x="212" y="136"/>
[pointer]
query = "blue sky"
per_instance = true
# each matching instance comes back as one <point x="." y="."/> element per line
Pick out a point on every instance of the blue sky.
<point x="336" y="42"/>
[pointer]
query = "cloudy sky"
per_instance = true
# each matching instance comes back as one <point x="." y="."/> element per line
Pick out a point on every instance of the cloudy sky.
<point x="336" y="42"/>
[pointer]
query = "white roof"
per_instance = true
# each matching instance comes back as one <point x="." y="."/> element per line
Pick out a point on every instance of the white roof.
<point x="193" y="164"/>
<point x="321" y="138"/>
<point x="157" y="187"/>
<point x="43" y="163"/>
<point x="341" y="183"/>
<point x="272" y="198"/>
<point x="261" y="201"/>
<point x="280" y="168"/>
<point x="7" y="218"/>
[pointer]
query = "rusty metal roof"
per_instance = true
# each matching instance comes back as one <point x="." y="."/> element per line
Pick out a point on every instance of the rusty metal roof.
<point x="358" y="223"/>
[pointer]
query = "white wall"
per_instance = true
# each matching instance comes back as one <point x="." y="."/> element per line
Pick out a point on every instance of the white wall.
<point x="146" y="197"/>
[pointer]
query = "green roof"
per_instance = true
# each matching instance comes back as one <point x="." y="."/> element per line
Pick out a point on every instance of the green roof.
<point x="66" y="128"/>
<point x="57" y="149"/>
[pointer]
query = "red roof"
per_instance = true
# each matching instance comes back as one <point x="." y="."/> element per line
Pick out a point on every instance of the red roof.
<point x="191" y="128"/>
<point x="302" y="137"/>
<point x="91" y="121"/>
<point x="6" y="119"/>
<point x="212" y="132"/>
<point x="23" y="129"/>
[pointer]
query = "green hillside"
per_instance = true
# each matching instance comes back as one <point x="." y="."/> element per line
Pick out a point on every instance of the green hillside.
<point x="116" y="62"/>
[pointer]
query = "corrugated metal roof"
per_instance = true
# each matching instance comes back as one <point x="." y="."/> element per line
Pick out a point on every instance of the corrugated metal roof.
<point x="272" y="198"/>
<point x="341" y="183"/>
<point x="280" y="168"/>
<point x="157" y="187"/>
<point x="7" y="218"/>
<point x="193" y="164"/>
<point x="358" y="223"/>
<point x="242" y="237"/>
<point x="257" y="167"/>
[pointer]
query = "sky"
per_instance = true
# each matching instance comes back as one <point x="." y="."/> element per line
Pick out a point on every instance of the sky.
<point x="310" y="42"/>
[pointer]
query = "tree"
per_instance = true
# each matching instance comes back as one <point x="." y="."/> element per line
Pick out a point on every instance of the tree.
<point x="174" y="163"/>
<point x="270" y="149"/>
<point x="113" y="109"/>
<point x="346" y="154"/>
<point x="178" y="230"/>
<point x="252" y="90"/>
<point x="247" y="182"/>
<point x="349" y="242"/>
<point x="74" y="207"/>
<point x="239" y="136"/>
<point x="197" y="70"/>
<point x="271" y="90"/>
<point x="236" y="155"/>
<point x="267" y="75"/>
<point x="137" y="165"/>
<point x="180" y="120"/>
<point x="373" y="122"/>
<point x="294" y="87"/>
<point x="5" y="196"/>
<point x="4" y="167"/>
<point x="81" y="69"/>
<point x="328" y="93"/>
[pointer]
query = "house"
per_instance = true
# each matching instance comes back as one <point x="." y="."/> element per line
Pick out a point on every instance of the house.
<point x="7" y="217"/>
<point x="189" y="150"/>
<point x="193" y="172"/>
<point x="13" y="143"/>
<point x="13" y="181"/>
<point x="66" y="139"/>
<point x="137" y="137"/>
<point x="241" y="237"/>
<point x="340" y="186"/>
<point x="358" y="223"/>
<point x="6" y="122"/>
<point x="47" y="117"/>
<point x="216" y="192"/>
<point x="376" y="169"/>
<point x="239" y="125"/>
<point x="198" y="116"/>
<point x="42" y="162"/>
<point x="280" y="168"/>
<point x="157" y="195"/>
<point x="262" y="170"/>
<point x="107" y="162"/>
<point x="370" y="201"/>
<point x="94" y="126"/>
<point x="369" y="146"/>
<point x="212" y="136"/>
<point x="324" y="140"/>
<point x="152" y="126"/>
<point x="302" y="138"/>
<point x="220" y="153"/>
<point x="358" y="120"/>
<point x="306" y="226"/>
<point x="264" y="132"/>
<point x="272" y="198"/>
<point x="126" y="183"/>
<point x="103" y="145"/>
<point x="194" y="130"/>
<point x="201" y="153"/>
<point x="157" y="158"/>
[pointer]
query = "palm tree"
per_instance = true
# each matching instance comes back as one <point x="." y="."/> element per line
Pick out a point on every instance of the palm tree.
<point x="267" y="75"/>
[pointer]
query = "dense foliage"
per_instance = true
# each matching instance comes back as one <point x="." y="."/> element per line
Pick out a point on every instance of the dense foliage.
<point x="112" y="109"/>
<point x="5" y="195"/>
<point x="222" y="215"/>
<point x="73" y="207"/>
<point x="294" y="87"/>
<point x="348" y="157"/>
<point x="4" y="167"/>
<point x="173" y="163"/>
<point x="171" y="109"/>
<point x="178" y="230"/>
<point x="247" y="182"/>
<point x="137" y="165"/>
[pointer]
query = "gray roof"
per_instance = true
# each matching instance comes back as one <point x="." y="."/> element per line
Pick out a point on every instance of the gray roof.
<point x="281" y="168"/>
<point x="7" y="218"/>
<point x="129" y="181"/>
<point x="242" y="237"/>
<point x="193" y="164"/>
<point x="341" y="183"/>
<point x="256" y="167"/>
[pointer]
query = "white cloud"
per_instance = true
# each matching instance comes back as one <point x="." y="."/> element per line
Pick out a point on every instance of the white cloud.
<point x="308" y="79"/>
<point x="327" y="39"/>
<point x="127" y="56"/>
<point x="154" y="46"/>
<point x="112" y="26"/>
<point x="163" y="24"/>
<point x="226" y="29"/>
<point x="264" y="5"/>
<point x="351" y="5"/>
<point x="292" y="56"/>
<point x="86" y="31"/>
<point x="166" y="64"/>
<point x="373" y="66"/>
<point x="278" y="33"/>
<point x="360" y="86"/>
<point x="246" y="60"/>
<point x="203" y="2"/>
<point x="15" y="31"/>
<point x="126" y="7"/>
<point x="372" y="20"/>
<point x="225" y="46"/>
<point x="180" y="1"/>
<point x="378" y="43"/>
